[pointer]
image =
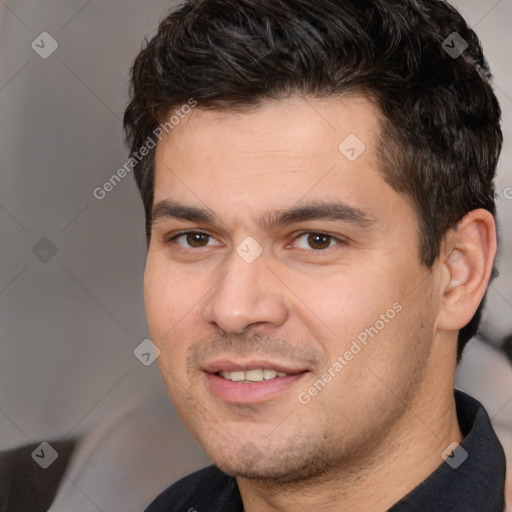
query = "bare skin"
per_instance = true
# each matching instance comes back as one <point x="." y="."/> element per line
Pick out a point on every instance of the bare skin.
<point x="378" y="426"/>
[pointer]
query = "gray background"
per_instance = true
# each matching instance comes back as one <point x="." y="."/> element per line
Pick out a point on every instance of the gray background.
<point x="69" y="326"/>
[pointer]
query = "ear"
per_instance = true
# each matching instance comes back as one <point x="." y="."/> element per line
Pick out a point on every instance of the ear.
<point x="467" y="257"/>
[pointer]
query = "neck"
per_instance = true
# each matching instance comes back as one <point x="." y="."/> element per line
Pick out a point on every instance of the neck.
<point x="405" y="458"/>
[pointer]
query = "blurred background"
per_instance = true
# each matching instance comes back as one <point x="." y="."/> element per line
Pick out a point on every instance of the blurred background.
<point x="71" y="301"/>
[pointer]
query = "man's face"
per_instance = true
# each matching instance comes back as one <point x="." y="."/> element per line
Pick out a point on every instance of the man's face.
<point x="342" y="302"/>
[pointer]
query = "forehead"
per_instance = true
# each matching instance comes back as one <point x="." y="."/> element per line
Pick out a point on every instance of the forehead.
<point x="300" y="127"/>
<point x="274" y="156"/>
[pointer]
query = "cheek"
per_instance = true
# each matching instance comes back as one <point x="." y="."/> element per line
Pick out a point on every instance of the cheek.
<point x="370" y="318"/>
<point x="399" y="355"/>
<point x="169" y="302"/>
<point x="165" y="294"/>
<point x="345" y="303"/>
<point x="156" y="298"/>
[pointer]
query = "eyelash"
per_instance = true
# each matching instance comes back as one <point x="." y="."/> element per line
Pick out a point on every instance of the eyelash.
<point x="340" y="241"/>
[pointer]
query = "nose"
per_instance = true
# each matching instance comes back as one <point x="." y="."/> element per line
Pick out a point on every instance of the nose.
<point x="249" y="294"/>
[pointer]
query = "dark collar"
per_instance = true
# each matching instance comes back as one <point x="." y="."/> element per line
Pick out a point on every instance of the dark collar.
<point x="476" y="485"/>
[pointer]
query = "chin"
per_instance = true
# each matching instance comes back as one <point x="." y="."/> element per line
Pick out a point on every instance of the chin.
<point x="277" y="474"/>
<point x="283" y="465"/>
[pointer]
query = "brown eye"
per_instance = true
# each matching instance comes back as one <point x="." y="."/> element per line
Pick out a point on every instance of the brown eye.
<point x="196" y="239"/>
<point x="317" y="241"/>
<point x="193" y="239"/>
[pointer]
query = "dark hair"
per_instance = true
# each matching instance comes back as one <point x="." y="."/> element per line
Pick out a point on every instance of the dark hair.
<point x="440" y="139"/>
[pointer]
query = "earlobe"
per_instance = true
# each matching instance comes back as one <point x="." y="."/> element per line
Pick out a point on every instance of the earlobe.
<point x="467" y="257"/>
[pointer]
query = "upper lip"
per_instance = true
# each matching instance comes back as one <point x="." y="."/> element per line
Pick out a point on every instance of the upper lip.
<point x="230" y="365"/>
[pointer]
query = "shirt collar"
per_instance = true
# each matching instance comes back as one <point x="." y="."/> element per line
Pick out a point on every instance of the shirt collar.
<point x="472" y="484"/>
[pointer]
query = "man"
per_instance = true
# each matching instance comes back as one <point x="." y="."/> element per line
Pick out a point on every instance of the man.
<point x="317" y="180"/>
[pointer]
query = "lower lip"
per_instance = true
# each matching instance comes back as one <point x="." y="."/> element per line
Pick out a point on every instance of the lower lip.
<point x="250" y="392"/>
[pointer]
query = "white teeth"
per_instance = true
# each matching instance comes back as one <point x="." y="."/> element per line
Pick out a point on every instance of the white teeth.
<point x="237" y="376"/>
<point x="255" y="375"/>
<point x="269" y="374"/>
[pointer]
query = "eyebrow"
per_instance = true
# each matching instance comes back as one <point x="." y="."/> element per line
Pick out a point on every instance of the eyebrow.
<point x="313" y="210"/>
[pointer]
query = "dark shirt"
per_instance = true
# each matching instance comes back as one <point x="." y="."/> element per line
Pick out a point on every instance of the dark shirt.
<point x="476" y="485"/>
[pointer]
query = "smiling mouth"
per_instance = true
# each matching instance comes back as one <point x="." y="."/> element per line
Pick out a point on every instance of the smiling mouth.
<point x="256" y="375"/>
<point x="250" y="382"/>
